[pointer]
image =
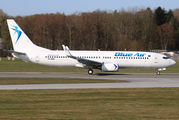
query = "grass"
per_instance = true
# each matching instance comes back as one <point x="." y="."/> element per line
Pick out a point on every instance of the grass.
<point x="90" y="104"/>
<point x="85" y="104"/>
<point x="20" y="66"/>
<point x="14" y="81"/>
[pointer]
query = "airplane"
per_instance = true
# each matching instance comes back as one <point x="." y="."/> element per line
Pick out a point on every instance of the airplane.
<point x="106" y="61"/>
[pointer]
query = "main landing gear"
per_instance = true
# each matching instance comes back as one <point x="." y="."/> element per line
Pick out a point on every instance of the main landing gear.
<point x="90" y="71"/>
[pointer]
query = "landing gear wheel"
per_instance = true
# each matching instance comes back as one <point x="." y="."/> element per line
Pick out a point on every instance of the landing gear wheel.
<point x="158" y="73"/>
<point x="90" y="71"/>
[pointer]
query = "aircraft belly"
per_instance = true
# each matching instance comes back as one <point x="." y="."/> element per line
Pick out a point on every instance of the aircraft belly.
<point x="134" y="63"/>
<point x="23" y="57"/>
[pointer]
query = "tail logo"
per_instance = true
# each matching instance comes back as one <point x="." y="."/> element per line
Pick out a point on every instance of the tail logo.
<point x="16" y="31"/>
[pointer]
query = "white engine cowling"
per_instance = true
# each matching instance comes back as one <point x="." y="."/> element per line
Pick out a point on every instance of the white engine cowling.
<point x="109" y="67"/>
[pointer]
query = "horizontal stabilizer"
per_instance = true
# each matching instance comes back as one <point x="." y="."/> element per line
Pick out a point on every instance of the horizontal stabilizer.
<point x="16" y="52"/>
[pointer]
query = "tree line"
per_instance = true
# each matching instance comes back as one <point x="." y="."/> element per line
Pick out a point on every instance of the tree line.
<point x="140" y="30"/>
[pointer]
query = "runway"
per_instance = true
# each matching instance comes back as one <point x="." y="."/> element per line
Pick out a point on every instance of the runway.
<point x="134" y="80"/>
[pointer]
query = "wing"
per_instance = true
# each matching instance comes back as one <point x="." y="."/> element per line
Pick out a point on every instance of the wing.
<point x="86" y="62"/>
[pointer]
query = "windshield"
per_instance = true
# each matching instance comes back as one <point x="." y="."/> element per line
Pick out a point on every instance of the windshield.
<point x="166" y="57"/>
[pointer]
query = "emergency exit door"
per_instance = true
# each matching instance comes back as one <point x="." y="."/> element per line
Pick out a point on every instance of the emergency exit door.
<point x="156" y="58"/>
<point x="37" y="57"/>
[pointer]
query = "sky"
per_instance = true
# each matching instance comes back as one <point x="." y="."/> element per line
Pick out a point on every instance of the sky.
<point x="31" y="7"/>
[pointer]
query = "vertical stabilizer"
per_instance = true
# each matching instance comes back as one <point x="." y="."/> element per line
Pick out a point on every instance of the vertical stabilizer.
<point x="19" y="39"/>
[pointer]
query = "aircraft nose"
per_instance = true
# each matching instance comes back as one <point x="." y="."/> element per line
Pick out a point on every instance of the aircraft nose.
<point x="172" y="62"/>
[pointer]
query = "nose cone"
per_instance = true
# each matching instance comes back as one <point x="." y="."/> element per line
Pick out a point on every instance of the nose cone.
<point x="172" y="62"/>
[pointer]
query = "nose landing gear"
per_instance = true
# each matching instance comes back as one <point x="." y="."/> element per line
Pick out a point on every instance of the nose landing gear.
<point x="158" y="73"/>
<point x="160" y="69"/>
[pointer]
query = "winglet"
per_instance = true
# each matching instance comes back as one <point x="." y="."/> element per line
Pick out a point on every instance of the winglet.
<point x="67" y="51"/>
<point x="63" y="47"/>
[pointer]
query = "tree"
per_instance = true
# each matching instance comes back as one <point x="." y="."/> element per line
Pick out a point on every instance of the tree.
<point x="160" y="16"/>
<point x="135" y="29"/>
<point x="4" y="32"/>
<point x="146" y="26"/>
<point x="170" y="16"/>
<point x="166" y="34"/>
<point x="177" y="40"/>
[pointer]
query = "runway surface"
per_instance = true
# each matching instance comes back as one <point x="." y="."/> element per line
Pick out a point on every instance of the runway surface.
<point x="134" y="80"/>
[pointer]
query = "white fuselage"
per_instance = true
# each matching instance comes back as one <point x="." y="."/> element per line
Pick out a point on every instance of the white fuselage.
<point x="124" y="59"/>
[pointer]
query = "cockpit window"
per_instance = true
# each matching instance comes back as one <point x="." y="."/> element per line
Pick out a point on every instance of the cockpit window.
<point x="165" y="57"/>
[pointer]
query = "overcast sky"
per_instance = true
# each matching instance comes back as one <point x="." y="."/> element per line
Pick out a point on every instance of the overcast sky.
<point x="31" y="7"/>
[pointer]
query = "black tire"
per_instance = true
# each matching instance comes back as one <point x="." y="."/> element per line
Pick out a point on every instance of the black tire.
<point x="158" y="73"/>
<point x="90" y="71"/>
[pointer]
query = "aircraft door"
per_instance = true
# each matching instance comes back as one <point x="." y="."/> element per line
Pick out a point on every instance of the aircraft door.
<point x="37" y="57"/>
<point x="155" y="59"/>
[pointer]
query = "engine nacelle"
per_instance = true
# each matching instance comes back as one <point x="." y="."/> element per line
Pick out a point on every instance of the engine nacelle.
<point x="109" y="67"/>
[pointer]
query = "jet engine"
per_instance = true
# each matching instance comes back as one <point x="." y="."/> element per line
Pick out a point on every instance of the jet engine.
<point x="109" y="67"/>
